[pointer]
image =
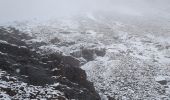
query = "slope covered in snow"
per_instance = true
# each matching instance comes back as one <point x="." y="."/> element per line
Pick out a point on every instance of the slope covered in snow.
<point x="125" y="60"/>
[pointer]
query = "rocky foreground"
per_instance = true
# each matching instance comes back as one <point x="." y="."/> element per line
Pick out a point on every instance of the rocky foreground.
<point x="124" y="60"/>
<point x="28" y="73"/>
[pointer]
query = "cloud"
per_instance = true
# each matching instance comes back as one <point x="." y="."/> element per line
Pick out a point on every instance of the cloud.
<point x="25" y="9"/>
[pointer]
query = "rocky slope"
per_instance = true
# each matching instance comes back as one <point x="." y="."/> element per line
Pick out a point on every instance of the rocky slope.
<point x="26" y="73"/>
<point x="126" y="60"/>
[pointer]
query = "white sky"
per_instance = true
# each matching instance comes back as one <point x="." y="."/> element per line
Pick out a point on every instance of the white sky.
<point x="25" y="9"/>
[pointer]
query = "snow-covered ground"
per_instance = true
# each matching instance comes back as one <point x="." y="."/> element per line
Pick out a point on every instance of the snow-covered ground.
<point x="20" y="90"/>
<point x="131" y="68"/>
<point x="136" y="64"/>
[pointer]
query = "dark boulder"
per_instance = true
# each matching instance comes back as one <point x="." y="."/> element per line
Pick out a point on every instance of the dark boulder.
<point x="100" y="52"/>
<point x="13" y="49"/>
<point x="89" y="54"/>
<point x="36" y="75"/>
<point x="55" y="40"/>
<point x="70" y="61"/>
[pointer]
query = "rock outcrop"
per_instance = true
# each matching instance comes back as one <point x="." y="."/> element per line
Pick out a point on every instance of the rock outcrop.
<point x="20" y="60"/>
<point x="89" y="54"/>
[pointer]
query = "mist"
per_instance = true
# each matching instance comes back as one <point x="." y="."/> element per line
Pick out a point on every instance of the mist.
<point x="11" y="10"/>
<point x="84" y="49"/>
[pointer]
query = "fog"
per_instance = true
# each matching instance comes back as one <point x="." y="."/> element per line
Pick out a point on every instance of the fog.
<point x="11" y="10"/>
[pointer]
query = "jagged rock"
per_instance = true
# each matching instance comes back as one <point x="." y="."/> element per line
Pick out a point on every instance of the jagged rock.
<point x="39" y="70"/>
